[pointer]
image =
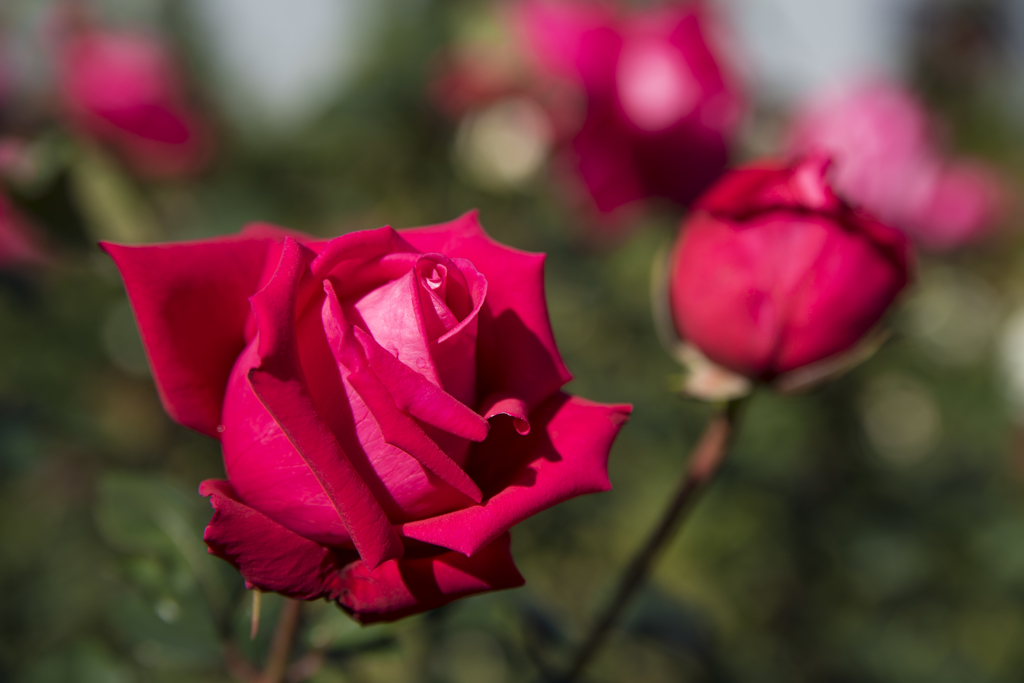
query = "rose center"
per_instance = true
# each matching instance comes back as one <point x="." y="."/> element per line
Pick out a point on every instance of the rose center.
<point x="437" y="279"/>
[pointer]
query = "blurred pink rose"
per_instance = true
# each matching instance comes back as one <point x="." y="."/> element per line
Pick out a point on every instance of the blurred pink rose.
<point x="19" y="244"/>
<point x="660" y="108"/>
<point x="773" y="272"/>
<point x="123" y="88"/>
<point x="388" y="402"/>
<point x="887" y="160"/>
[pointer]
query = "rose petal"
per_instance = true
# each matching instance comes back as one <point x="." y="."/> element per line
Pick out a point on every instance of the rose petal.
<point x="269" y="556"/>
<point x="379" y="256"/>
<point x="768" y="184"/>
<point x="279" y="383"/>
<point x="407" y="586"/>
<point x="395" y="315"/>
<point x="419" y="397"/>
<point x="497" y="404"/>
<point x="516" y="351"/>
<point x="267" y="471"/>
<point x="455" y="351"/>
<point x="191" y="305"/>
<point x="397" y="428"/>
<point x="566" y="455"/>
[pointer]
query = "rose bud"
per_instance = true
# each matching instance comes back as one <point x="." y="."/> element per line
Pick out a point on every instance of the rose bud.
<point x="661" y="108"/>
<point x="123" y="88"/>
<point x="388" y="403"/>
<point x="886" y="160"/>
<point x="773" y="272"/>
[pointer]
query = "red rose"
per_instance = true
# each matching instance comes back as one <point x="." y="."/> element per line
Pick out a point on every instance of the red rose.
<point x="888" y="161"/>
<point x="388" y="404"/>
<point x="124" y="88"/>
<point x="661" y="107"/>
<point x="774" y="272"/>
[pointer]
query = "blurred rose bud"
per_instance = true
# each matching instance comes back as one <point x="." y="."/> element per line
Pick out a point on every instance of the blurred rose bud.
<point x="19" y="244"/>
<point x="660" y="108"/>
<point x="774" y="272"/>
<point x="124" y="89"/>
<point x="887" y="160"/>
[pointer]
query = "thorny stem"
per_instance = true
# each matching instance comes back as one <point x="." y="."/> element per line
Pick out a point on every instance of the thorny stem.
<point x="704" y="462"/>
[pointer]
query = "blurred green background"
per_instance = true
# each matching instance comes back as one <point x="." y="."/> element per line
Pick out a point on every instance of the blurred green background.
<point x="872" y="530"/>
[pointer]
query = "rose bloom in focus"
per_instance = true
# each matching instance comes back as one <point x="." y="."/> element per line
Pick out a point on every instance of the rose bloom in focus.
<point x="124" y="88"/>
<point x="639" y="103"/>
<point x="887" y="160"/>
<point x="388" y="404"/>
<point x="773" y="272"/>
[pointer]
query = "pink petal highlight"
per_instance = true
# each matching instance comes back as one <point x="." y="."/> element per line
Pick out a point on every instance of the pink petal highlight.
<point x="419" y="397"/>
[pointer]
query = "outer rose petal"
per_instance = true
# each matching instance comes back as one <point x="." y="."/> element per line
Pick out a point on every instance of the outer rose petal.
<point x="272" y="558"/>
<point x="269" y="556"/>
<point x="402" y="587"/>
<point x="191" y="304"/>
<point x="564" y="456"/>
<point x="516" y="351"/>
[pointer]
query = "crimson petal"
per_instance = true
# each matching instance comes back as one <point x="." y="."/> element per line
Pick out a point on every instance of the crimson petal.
<point x="279" y="383"/>
<point x="564" y="456"/>
<point x="402" y="587"/>
<point x="418" y="396"/>
<point x="191" y="306"/>
<point x="269" y="556"/>
<point x="516" y="351"/>
<point x="397" y="428"/>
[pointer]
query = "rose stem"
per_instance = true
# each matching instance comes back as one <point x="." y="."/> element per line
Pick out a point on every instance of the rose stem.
<point x="281" y="642"/>
<point x="706" y="456"/>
